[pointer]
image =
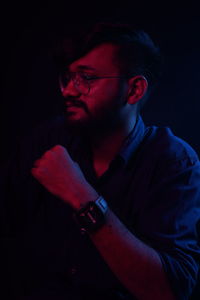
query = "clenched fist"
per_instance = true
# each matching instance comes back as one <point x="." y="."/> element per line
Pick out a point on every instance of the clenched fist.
<point x="61" y="176"/>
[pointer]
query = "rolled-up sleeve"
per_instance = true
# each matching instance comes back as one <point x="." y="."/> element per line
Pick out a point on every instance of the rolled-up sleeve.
<point x="169" y="222"/>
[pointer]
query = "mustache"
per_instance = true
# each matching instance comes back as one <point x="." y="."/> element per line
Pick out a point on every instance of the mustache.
<point x="73" y="102"/>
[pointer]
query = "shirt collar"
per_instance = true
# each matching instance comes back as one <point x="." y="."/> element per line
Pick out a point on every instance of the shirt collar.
<point x="128" y="148"/>
<point x="133" y="140"/>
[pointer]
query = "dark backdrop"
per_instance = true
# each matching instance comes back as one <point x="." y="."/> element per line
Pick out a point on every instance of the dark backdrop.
<point x="29" y="86"/>
<point x="30" y="93"/>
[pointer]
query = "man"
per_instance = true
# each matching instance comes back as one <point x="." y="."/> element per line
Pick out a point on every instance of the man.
<point x="100" y="206"/>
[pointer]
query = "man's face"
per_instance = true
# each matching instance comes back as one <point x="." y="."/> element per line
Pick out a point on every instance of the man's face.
<point x="104" y="105"/>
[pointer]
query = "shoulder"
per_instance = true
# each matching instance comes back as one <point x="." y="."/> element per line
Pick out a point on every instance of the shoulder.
<point x="163" y="145"/>
<point x="163" y="154"/>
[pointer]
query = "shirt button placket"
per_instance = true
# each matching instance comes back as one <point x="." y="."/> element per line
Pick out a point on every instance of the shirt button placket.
<point x="73" y="270"/>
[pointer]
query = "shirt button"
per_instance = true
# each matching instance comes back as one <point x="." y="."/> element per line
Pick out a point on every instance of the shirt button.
<point x="83" y="232"/>
<point x="73" y="271"/>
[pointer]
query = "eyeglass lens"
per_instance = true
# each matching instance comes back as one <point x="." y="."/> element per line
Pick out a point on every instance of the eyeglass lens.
<point x="80" y="83"/>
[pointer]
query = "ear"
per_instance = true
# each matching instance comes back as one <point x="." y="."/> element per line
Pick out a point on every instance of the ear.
<point x="138" y="86"/>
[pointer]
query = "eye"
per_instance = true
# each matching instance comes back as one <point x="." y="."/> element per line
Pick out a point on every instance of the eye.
<point x="88" y="77"/>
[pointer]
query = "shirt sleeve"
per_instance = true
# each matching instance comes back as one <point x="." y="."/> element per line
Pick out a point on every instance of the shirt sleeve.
<point x="169" y="220"/>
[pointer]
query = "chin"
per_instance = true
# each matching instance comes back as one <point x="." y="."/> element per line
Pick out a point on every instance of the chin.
<point x="77" y="124"/>
<point x="85" y="124"/>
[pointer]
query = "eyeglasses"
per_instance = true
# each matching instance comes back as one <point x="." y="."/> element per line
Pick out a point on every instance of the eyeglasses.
<point x="82" y="81"/>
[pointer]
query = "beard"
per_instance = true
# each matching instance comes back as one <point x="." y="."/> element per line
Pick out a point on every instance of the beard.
<point x="81" y="121"/>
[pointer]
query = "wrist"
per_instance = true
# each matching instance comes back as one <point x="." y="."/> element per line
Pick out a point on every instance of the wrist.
<point x="80" y="197"/>
<point x="84" y="199"/>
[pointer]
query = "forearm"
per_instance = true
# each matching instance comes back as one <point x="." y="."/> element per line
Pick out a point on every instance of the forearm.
<point x="136" y="265"/>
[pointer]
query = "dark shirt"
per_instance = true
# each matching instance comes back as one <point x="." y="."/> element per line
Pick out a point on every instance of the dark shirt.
<point x="152" y="185"/>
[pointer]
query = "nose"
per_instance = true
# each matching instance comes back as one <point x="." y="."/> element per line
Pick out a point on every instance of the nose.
<point x="69" y="90"/>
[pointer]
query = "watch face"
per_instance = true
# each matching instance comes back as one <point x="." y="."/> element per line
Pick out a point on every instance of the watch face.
<point x="91" y="217"/>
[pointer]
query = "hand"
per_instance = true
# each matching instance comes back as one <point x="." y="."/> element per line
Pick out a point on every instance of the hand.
<point x="61" y="176"/>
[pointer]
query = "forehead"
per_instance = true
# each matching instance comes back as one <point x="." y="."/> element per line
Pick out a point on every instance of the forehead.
<point x="102" y="58"/>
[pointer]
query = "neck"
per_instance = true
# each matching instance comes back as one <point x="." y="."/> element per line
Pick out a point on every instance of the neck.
<point x="107" y="144"/>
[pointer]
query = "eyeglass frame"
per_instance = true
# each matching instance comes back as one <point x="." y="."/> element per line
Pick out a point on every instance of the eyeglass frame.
<point x="91" y="77"/>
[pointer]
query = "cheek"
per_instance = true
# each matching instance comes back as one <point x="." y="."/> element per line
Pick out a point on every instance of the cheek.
<point x="111" y="91"/>
<point x="106" y="99"/>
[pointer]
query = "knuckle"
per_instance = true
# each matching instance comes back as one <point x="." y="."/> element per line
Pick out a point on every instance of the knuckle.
<point x="37" y="162"/>
<point x="58" y="148"/>
<point x="46" y="154"/>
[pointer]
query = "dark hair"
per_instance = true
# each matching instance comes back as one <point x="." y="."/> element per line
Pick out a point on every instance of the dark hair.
<point x="138" y="55"/>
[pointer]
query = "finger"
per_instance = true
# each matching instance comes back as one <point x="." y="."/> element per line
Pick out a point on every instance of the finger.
<point x="58" y="148"/>
<point x="37" y="163"/>
<point x="48" y="154"/>
<point x="34" y="172"/>
<point x="38" y="173"/>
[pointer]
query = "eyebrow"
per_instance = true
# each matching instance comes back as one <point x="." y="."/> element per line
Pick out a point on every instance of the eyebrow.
<point x="85" y="67"/>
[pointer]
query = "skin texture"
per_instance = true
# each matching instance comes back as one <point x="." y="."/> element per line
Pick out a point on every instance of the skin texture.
<point x="109" y="110"/>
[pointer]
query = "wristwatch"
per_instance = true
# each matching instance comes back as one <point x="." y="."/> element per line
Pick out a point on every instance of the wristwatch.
<point x="93" y="215"/>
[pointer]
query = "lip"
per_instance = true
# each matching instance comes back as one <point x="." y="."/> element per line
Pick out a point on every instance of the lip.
<point x="72" y="103"/>
<point x="71" y="106"/>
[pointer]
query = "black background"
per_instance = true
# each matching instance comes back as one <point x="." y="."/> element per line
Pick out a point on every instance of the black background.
<point x="30" y="93"/>
<point x="29" y="85"/>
